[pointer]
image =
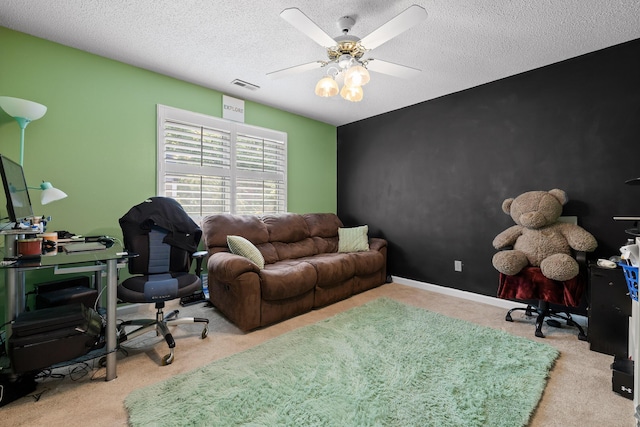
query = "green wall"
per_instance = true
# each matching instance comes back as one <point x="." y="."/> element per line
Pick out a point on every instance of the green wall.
<point x="97" y="141"/>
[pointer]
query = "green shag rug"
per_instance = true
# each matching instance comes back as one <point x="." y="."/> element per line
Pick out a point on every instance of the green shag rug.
<point x="380" y="364"/>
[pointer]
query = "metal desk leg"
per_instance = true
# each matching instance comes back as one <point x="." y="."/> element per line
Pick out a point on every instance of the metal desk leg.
<point x="11" y="309"/>
<point x="15" y="298"/>
<point x="10" y="279"/>
<point x="111" y="338"/>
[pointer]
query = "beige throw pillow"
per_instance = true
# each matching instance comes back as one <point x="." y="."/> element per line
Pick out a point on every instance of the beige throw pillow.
<point x="354" y="239"/>
<point x="241" y="246"/>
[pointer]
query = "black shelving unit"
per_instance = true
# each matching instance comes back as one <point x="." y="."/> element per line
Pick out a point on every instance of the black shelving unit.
<point x="609" y="311"/>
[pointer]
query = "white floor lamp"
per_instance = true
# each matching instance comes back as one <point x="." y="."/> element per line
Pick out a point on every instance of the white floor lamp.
<point x="24" y="112"/>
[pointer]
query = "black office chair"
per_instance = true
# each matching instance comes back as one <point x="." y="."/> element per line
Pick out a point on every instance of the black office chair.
<point x="531" y="285"/>
<point x="165" y="239"/>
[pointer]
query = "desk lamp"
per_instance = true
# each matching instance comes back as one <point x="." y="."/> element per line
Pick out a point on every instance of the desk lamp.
<point x="25" y="112"/>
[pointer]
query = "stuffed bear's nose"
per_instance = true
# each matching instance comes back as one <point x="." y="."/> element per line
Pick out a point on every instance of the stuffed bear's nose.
<point x="532" y="219"/>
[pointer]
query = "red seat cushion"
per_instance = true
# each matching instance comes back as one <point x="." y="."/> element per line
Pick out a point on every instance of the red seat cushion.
<point x="531" y="284"/>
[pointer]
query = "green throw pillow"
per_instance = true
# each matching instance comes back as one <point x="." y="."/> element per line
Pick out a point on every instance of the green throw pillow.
<point x="353" y="239"/>
<point x="241" y="246"/>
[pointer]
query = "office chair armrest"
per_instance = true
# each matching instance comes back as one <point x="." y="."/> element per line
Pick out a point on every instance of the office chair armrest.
<point x="581" y="257"/>
<point x="199" y="257"/>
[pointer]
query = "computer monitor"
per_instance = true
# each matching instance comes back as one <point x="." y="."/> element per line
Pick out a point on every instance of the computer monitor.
<point x="15" y="190"/>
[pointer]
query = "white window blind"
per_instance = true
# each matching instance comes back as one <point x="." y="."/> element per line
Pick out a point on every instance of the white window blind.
<point x="211" y="165"/>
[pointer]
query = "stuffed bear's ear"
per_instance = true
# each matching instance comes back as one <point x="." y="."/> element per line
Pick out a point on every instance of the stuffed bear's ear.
<point x="506" y="205"/>
<point x="560" y="195"/>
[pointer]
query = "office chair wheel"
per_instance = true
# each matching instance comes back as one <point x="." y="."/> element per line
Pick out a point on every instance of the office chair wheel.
<point x="205" y="332"/>
<point x="167" y="359"/>
<point x="539" y="334"/>
<point x="508" y="317"/>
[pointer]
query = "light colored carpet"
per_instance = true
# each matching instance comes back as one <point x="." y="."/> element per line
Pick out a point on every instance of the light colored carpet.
<point x="380" y="364"/>
<point x="578" y="392"/>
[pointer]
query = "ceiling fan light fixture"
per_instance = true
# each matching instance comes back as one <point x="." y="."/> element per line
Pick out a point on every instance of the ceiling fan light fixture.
<point x="346" y="51"/>
<point x="356" y="76"/>
<point x="327" y="87"/>
<point x="352" y="93"/>
<point x="345" y="61"/>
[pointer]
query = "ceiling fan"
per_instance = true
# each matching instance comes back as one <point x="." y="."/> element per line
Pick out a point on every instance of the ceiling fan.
<point x="345" y="53"/>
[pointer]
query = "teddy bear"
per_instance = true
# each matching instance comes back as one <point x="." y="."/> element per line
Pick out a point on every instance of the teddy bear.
<point x="538" y="239"/>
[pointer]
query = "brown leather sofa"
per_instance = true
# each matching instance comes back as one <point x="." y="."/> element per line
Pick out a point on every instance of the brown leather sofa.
<point x="303" y="269"/>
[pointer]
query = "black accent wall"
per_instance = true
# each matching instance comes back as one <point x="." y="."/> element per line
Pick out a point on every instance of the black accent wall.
<point x="431" y="178"/>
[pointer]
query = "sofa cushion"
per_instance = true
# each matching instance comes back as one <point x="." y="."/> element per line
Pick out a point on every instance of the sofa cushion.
<point x="353" y="239"/>
<point x="325" y="244"/>
<point x="322" y="224"/>
<point x="295" y="250"/>
<point x="241" y="246"/>
<point x="367" y="262"/>
<point x="286" y="279"/>
<point x="333" y="268"/>
<point x="217" y="227"/>
<point x="268" y="252"/>
<point x="286" y="228"/>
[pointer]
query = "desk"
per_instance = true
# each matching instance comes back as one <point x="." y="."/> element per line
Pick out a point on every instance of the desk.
<point x="65" y="263"/>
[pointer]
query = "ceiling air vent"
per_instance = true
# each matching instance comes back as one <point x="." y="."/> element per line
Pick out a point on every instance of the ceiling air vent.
<point x="245" y="85"/>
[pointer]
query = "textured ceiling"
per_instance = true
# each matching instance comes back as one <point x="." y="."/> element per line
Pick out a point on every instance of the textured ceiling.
<point x="462" y="43"/>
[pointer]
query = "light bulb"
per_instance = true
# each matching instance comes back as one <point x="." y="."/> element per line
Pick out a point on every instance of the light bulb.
<point x="352" y="93"/>
<point x="356" y="76"/>
<point x="327" y="87"/>
<point x="345" y="61"/>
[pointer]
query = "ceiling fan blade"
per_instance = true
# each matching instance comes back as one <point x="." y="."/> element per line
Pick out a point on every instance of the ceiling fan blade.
<point x="401" y="23"/>
<point x="295" y="70"/>
<point x="299" y="20"/>
<point x="392" y="69"/>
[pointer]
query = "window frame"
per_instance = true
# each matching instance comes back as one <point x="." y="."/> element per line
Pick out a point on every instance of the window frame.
<point x="235" y="130"/>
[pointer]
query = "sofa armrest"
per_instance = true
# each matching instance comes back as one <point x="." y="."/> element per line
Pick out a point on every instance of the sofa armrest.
<point x="226" y="266"/>
<point x="375" y="243"/>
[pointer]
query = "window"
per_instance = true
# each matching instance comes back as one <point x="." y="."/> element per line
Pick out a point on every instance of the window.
<point x="211" y="165"/>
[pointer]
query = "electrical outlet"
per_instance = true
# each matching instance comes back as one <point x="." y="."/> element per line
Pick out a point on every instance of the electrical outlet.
<point x="457" y="265"/>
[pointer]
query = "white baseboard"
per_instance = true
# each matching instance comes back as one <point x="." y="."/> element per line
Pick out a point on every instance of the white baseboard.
<point x="484" y="299"/>
<point x="497" y="302"/>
